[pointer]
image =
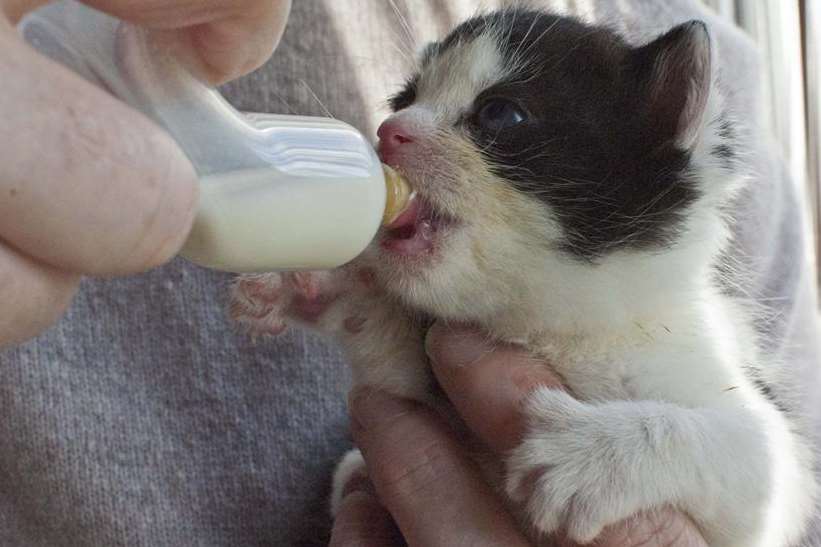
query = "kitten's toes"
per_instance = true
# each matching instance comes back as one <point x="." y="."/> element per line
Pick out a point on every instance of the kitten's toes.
<point x="266" y="303"/>
<point x="349" y="470"/>
<point x="312" y="293"/>
<point x="560" y="474"/>
<point x="257" y="302"/>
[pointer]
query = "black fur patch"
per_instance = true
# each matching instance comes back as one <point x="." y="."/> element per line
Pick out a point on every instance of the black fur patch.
<point x="406" y="97"/>
<point x="726" y="130"/>
<point x="589" y="149"/>
<point x="767" y="390"/>
<point x="726" y="151"/>
<point x="768" y="393"/>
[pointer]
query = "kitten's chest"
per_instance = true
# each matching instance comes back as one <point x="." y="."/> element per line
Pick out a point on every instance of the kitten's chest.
<point x="657" y="366"/>
<point x="594" y="375"/>
<point x="590" y="369"/>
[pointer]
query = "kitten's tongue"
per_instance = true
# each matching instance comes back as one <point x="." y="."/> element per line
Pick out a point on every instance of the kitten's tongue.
<point x="407" y="217"/>
<point x="411" y="234"/>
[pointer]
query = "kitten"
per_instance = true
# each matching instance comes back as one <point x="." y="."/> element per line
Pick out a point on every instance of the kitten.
<point x="572" y="198"/>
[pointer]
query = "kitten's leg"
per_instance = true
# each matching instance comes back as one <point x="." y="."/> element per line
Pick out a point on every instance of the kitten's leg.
<point x="383" y="339"/>
<point x="584" y="466"/>
<point x="349" y="469"/>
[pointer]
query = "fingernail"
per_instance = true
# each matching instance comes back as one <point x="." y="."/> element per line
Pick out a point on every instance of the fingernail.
<point x="456" y="346"/>
<point x="371" y="408"/>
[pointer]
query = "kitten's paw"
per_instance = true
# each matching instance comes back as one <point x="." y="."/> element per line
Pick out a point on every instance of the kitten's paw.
<point x="257" y="303"/>
<point x="567" y="474"/>
<point x="349" y="470"/>
<point x="266" y="303"/>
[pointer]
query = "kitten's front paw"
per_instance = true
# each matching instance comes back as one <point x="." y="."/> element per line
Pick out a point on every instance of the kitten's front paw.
<point x="568" y="473"/>
<point x="256" y="303"/>
<point x="266" y="303"/>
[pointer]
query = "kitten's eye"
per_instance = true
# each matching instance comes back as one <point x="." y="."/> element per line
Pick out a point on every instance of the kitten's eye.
<point x="498" y="114"/>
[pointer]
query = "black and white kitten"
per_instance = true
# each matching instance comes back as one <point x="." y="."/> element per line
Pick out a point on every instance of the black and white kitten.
<point x="572" y="198"/>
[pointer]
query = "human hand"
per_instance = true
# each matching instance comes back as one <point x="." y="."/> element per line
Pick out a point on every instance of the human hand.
<point x="425" y="481"/>
<point x="89" y="186"/>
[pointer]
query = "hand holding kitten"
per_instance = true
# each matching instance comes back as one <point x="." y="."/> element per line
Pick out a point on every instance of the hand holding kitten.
<point x="426" y="480"/>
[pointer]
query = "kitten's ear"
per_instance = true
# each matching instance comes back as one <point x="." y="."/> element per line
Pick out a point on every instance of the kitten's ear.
<point x="675" y="77"/>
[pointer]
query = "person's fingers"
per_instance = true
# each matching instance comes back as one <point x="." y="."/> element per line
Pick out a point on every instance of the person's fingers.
<point x="487" y="383"/>
<point x="15" y="9"/>
<point x="424" y="478"/>
<point x="87" y="184"/>
<point x="38" y="294"/>
<point x="220" y="51"/>
<point x="219" y="40"/>
<point x="663" y="528"/>
<point x="363" y="522"/>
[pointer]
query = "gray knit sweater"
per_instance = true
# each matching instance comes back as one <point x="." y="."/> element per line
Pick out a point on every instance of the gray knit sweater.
<point x="145" y="419"/>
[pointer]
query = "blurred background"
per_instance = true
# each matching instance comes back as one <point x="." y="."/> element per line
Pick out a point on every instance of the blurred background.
<point x="789" y="33"/>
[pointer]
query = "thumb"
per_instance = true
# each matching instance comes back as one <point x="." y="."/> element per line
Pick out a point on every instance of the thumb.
<point x="487" y="382"/>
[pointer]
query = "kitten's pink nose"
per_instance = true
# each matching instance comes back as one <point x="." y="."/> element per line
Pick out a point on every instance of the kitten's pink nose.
<point x="392" y="135"/>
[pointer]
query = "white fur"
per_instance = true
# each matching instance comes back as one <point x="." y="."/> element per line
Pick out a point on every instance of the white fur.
<point x="350" y="465"/>
<point x="453" y="79"/>
<point x="649" y="345"/>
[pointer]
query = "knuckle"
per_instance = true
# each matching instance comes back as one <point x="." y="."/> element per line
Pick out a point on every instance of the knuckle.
<point x="145" y="186"/>
<point x="171" y="195"/>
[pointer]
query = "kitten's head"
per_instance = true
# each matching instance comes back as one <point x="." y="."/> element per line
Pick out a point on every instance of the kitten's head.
<point x="551" y="157"/>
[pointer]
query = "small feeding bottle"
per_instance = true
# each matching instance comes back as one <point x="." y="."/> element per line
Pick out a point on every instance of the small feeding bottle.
<point x="276" y="192"/>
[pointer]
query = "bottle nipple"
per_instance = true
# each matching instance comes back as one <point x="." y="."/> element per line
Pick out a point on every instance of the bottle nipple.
<point x="399" y="195"/>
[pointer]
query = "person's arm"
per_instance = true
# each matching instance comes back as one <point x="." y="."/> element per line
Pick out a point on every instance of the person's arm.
<point x="89" y="186"/>
<point x="424" y="481"/>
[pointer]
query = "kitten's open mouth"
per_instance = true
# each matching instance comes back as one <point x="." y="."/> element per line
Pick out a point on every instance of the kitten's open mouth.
<point x="415" y="232"/>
